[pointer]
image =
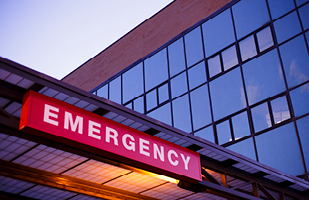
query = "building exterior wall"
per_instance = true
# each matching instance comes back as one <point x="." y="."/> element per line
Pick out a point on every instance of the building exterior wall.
<point x="141" y="41"/>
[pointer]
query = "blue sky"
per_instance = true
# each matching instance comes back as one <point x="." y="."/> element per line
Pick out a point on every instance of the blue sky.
<point x="56" y="36"/>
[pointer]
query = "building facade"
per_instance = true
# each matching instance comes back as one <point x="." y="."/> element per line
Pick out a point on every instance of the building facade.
<point x="238" y="78"/>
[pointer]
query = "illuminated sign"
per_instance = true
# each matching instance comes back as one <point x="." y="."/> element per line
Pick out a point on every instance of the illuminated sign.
<point x="63" y="122"/>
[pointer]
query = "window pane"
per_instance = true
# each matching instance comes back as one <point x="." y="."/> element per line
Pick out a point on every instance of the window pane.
<point x="279" y="149"/>
<point x="133" y="83"/>
<point x="206" y="133"/>
<point x="151" y="99"/>
<point x="103" y="91"/>
<point x="224" y="132"/>
<point x="115" y="90"/>
<point x="200" y="107"/>
<point x="139" y="105"/>
<point x="218" y="33"/>
<point x="295" y="61"/>
<point x="156" y="69"/>
<point x="249" y="15"/>
<point x="227" y="94"/>
<point x="245" y="148"/>
<point x="303" y="127"/>
<point x="197" y="75"/>
<point x="300" y="2"/>
<point x="287" y="27"/>
<point x="240" y="125"/>
<point x="181" y="114"/>
<point x="300" y="99"/>
<point x="176" y="55"/>
<point x="279" y="8"/>
<point x="261" y="117"/>
<point x="214" y="66"/>
<point x="265" y="39"/>
<point x="247" y="48"/>
<point x="163" y="93"/>
<point x="194" y="46"/>
<point x="229" y="57"/>
<point x="162" y="114"/>
<point x="129" y="105"/>
<point x="280" y="109"/>
<point x="263" y="77"/>
<point x="304" y="16"/>
<point x="179" y="85"/>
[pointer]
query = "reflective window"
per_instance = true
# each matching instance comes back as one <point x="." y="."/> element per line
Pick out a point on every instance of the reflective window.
<point x="261" y="118"/>
<point x="194" y="46"/>
<point x="197" y="75"/>
<point x="247" y="48"/>
<point x="279" y="149"/>
<point x="295" y="61"/>
<point x="279" y="8"/>
<point x="176" y="55"/>
<point x="179" y="85"/>
<point x="227" y="94"/>
<point x="181" y="114"/>
<point x="303" y="127"/>
<point x="139" y="104"/>
<point x="151" y="99"/>
<point x="156" y="69"/>
<point x="224" y="132"/>
<point x="280" y="109"/>
<point x="163" y="93"/>
<point x="214" y="66"/>
<point x="300" y="2"/>
<point x="287" y="27"/>
<point x="300" y="99"/>
<point x="133" y="83"/>
<point x="115" y="90"/>
<point x="229" y="58"/>
<point x="245" y="148"/>
<point x="200" y="107"/>
<point x="240" y="125"/>
<point x="263" y="77"/>
<point x="265" y="39"/>
<point x="162" y="114"/>
<point x="249" y="15"/>
<point x="304" y="16"/>
<point x="218" y="32"/>
<point x="103" y="91"/>
<point x="206" y="133"/>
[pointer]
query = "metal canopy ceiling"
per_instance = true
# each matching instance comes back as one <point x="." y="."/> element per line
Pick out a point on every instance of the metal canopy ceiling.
<point x="32" y="167"/>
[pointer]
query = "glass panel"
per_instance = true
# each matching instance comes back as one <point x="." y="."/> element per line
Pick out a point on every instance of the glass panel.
<point x="300" y="2"/>
<point x="280" y="109"/>
<point x="103" y="91"/>
<point x="163" y="93"/>
<point x="263" y="77"/>
<point x="261" y="117"/>
<point x="227" y="94"/>
<point x="224" y="132"/>
<point x="303" y="127"/>
<point x="181" y="114"/>
<point x="279" y="8"/>
<point x="115" y="90"/>
<point x="279" y="149"/>
<point x="287" y="27"/>
<point x="206" y="133"/>
<point x="229" y="57"/>
<point x="245" y="147"/>
<point x="151" y="99"/>
<point x="133" y="83"/>
<point x="194" y="46"/>
<point x="300" y="99"/>
<point x="247" y="48"/>
<point x="179" y="85"/>
<point x="304" y="16"/>
<point x="240" y="125"/>
<point x="139" y="105"/>
<point x="295" y="61"/>
<point x="249" y="15"/>
<point x="214" y="66"/>
<point x="197" y="75"/>
<point x="265" y="39"/>
<point x="162" y="114"/>
<point x="176" y="55"/>
<point x="156" y="69"/>
<point x="200" y="107"/>
<point x="218" y="32"/>
<point x="129" y="105"/>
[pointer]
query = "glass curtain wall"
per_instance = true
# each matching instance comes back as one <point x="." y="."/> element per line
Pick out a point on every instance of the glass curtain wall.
<point x="239" y="79"/>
